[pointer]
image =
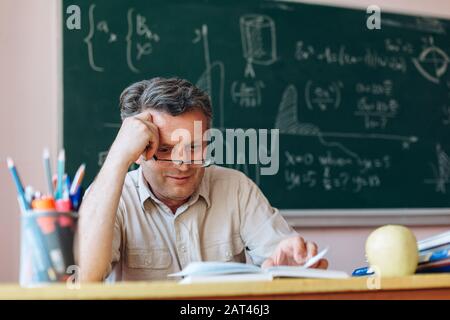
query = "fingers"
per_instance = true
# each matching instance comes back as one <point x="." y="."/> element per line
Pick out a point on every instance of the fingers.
<point x="146" y="118"/>
<point x="299" y="250"/>
<point x="323" y="264"/>
<point x="152" y="146"/>
<point x="145" y="115"/>
<point x="303" y="250"/>
<point x="311" y="248"/>
<point x="148" y="123"/>
<point x="296" y="251"/>
<point x="143" y="121"/>
<point x="280" y="258"/>
<point x="268" y="263"/>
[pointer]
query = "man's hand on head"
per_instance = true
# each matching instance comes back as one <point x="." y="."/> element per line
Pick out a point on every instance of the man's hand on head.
<point x="294" y="251"/>
<point x="137" y="136"/>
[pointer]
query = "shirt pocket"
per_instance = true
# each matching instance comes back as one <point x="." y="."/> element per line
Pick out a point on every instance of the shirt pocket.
<point x="151" y="259"/>
<point x="230" y="250"/>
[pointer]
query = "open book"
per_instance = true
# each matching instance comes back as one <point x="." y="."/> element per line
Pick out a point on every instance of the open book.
<point x="211" y="271"/>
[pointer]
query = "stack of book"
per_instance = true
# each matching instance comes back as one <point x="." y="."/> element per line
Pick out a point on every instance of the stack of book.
<point x="434" y="254"/>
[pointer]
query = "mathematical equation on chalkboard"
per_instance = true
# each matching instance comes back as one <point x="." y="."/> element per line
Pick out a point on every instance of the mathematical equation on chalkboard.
<point x="374" y="105"/>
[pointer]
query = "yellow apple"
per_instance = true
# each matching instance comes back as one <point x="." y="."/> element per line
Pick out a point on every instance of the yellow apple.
<point x="392" y="251"/>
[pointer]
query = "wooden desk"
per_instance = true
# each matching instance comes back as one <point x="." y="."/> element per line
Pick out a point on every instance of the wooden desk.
<point x="414" y="287"/>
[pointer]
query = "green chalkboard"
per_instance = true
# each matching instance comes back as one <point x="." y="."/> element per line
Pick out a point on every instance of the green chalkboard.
<point x="363" y="115"/>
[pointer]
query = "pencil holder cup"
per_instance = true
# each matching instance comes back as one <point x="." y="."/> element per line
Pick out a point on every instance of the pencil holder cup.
<point x="46" y="247"/>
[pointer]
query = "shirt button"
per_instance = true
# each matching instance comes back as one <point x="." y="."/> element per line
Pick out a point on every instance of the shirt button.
<point x="228" y="254"/>
<point x="183" y="248"/>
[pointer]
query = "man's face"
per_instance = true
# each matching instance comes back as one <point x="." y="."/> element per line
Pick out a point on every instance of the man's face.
<point x="177" y="141"/>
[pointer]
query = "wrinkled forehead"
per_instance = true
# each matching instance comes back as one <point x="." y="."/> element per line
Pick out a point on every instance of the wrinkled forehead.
<point x="188" y="127"/>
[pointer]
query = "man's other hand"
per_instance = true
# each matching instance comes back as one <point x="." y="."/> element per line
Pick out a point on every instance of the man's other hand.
<point x="294" y="251"/>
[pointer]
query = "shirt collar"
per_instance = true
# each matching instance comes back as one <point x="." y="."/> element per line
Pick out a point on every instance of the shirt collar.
<point x="145" y="192"/>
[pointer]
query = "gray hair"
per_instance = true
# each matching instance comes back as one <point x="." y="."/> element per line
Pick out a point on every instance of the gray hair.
<point x="172" y="95"/>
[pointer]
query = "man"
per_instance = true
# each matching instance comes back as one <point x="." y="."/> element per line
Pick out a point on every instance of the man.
<point x="148" y="223"/>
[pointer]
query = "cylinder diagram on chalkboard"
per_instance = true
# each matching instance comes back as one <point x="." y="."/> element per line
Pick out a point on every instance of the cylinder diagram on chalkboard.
<point x="259" y="43"/>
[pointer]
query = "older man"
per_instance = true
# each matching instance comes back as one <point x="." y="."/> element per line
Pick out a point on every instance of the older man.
<point x="175" y="209"/>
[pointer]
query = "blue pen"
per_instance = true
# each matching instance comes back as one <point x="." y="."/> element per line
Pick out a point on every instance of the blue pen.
<point x="21" y="193"/>
<point x="361" y="272"/>
<point x="434" y="256"/>
<point x="61" y="164"/>
<point x="76" y="198"/>
<point x="440" y="255"/>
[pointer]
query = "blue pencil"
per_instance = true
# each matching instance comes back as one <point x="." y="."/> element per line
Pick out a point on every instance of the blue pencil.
<point x="61" y="164"/>
<point x="21" y="193"/>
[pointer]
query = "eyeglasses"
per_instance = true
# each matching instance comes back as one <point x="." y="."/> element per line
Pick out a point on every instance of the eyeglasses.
<point x="194" y="163"/>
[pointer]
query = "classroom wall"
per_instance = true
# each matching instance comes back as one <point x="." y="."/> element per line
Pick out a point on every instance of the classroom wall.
<point x="28" y="108"/>
<point x="31" y="107"/>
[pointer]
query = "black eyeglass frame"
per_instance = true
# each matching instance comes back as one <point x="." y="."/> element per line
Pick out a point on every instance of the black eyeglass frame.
<point x="202" y="163"/>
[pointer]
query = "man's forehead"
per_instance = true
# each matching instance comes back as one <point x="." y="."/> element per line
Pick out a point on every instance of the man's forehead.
<point x="174" y="126"/>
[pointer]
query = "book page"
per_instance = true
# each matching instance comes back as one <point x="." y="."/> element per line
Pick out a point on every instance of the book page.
<point x="215" y="268"/>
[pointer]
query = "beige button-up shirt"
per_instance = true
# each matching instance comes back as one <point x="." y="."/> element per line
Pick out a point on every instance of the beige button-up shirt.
<point x="226" y="219"/>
